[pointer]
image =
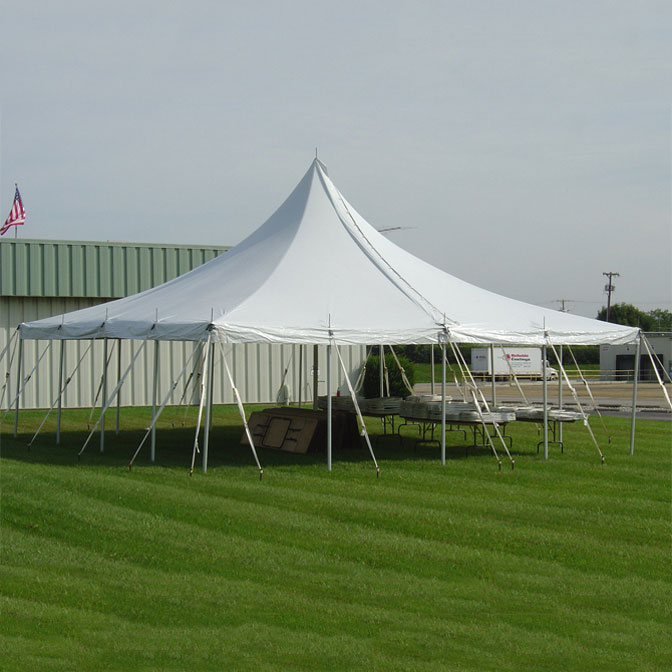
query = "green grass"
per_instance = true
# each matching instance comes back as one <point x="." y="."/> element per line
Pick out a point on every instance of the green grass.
<point x="557" y="565"/>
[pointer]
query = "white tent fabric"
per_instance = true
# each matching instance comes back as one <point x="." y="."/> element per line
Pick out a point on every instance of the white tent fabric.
<point x="317" y="272"/>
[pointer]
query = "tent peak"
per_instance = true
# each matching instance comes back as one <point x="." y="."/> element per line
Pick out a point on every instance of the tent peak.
<point x="317" y="163"/>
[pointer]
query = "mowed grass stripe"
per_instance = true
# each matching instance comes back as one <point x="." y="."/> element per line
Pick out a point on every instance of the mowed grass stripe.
<point x="529" y="536"/>
<point x="555" y="565"/>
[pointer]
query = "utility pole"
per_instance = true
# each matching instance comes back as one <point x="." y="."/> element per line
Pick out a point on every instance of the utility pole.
<point x="609" y="288"/>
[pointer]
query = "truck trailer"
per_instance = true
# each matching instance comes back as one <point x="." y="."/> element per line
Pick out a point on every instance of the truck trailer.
<point x="510" y="361"/>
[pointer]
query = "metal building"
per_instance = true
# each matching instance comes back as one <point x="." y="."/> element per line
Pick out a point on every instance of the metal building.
<point x="42" y="278"/>
<point x="617" y="362"/>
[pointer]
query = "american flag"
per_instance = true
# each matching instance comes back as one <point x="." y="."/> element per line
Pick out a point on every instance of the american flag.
<point x="17" y="215"/>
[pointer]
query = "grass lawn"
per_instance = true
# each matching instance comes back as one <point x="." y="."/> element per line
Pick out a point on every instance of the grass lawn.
<point x="557" y="565"/>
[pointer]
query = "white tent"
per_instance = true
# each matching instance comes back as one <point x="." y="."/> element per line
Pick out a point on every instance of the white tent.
<point x="317" y="272"/>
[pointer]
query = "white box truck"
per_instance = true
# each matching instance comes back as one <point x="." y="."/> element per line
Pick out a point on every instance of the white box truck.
<point x="521" y="362"/>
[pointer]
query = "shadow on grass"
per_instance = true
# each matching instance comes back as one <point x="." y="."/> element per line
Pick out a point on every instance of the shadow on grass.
<point x="174" y="447"/>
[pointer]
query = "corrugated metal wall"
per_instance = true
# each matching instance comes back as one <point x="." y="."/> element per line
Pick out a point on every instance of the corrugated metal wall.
<point x="106" y="270"/>
<point x="257" y="370"/>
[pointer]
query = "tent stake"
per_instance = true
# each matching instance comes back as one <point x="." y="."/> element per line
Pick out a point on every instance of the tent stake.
<point x="635" y="380"/>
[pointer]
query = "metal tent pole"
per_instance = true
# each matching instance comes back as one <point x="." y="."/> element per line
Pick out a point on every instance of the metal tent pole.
<point x="382" y="370"/>
<point x="103" y="400"/>
<point x="635" y="380"/>
<point x="155" y="392"/>
<point x="300" y="372"/>
<point x="329" y="407"/>
<point x="492" y="365"/>
<point x="560" y="393"/>
<point x="443" y="403"/>
<point x="545" y="396"/>
<point x="61" y="358"/>
<point x="208" y="408"/>
<point x="19" y="366"/>
<point x="315" y="380"/>
<point x="116" y="420"/>
<point x="431" y="363"/>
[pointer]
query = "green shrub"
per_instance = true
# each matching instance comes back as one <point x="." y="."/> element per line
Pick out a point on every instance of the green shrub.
<point x="371" y="387"/>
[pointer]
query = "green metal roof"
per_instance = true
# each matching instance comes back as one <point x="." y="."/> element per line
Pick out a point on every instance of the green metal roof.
<point x="68" y="268"/>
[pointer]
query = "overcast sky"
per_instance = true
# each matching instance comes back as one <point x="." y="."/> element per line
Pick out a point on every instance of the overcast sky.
<point x="525" y="145"/>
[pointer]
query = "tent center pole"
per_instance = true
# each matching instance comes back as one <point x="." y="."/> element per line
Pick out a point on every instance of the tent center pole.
<point x="635" y="380"/>
<point x="61" y="357"/>
<point x="329" y="407"/>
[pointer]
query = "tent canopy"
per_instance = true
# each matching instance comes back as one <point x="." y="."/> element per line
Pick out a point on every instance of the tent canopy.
<point x="317" y="272"/>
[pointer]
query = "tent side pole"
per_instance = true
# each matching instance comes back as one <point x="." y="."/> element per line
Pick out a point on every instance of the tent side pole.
<point x="61" y="358"/>
<point x="300" y="372"/>
<point x="329" y="407"/>
<point x="103" y="399"/>
<point x="208" y="407"/>
<point x="560" y="394"/>
<point x="443" y="403"/>
<point x="315" y="381"/>
<point x="19" y="366"/>
<point x="382" y="370"/>
<point x="116" y="420"/>
<point x="545" y="397"/>
<point x="431" y="364"/>
<point x="155" y="392"/>
<point x="494" y="385"/>
<point x="635" y="380"/>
